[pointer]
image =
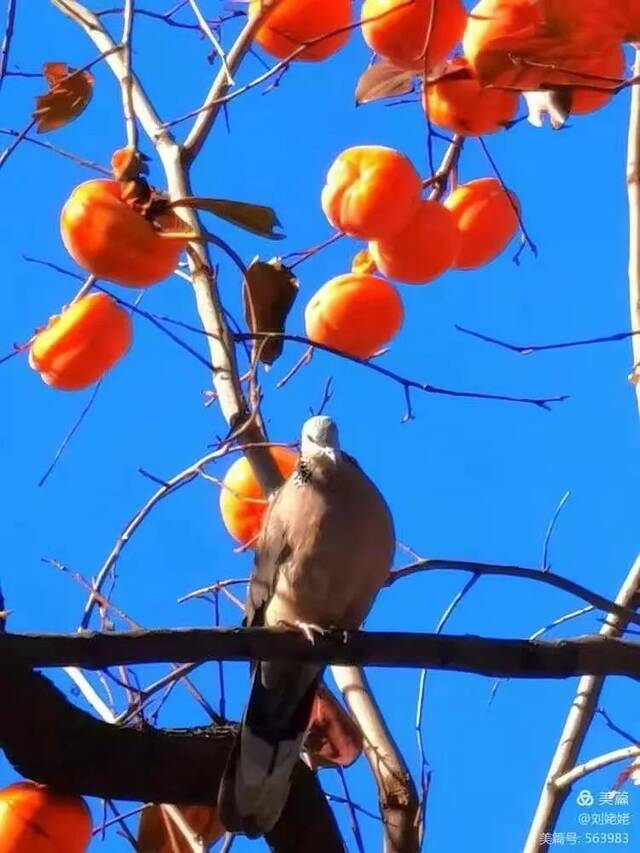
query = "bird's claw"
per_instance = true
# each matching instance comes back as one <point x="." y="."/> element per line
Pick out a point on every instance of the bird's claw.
<point x="309" y="629"/>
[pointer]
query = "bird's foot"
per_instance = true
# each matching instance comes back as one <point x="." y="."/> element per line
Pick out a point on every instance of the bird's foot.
<point x="309" y="629"/>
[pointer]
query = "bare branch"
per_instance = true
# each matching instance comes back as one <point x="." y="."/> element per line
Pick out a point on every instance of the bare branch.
<point x="208" y="113"/>
<point x="43" y="144"/>
<point x="176" y="482"/>
<point x="397" y="793"/>
<point x="524" y="349"/>
<point x="594" y="764"/>
<point x="6" y="41"/>
<point x="48" y="739"/>
<point x="578" y="721"/>
<point x="126" y="82"/>
<point x="591" y="654"/>
<point x="623" y="611"/>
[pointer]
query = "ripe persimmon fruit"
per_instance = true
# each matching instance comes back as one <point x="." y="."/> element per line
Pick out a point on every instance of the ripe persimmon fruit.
<point x="293" y="23"/>
<point x="82" y="343"/>
<point x="112" y="240"/>
<point x="458" y="103"/>
<point x="515" y="43"/>
<point x="486" y="215"/>
<point x="414" y="34"/>
<point x="242" y="502"/>
<point x="593" y="80"/>
<point x="425" y="248"/>
<point x="370" y="192"/>
<point x="36" y="819"/>
<point x="355" y="314"/>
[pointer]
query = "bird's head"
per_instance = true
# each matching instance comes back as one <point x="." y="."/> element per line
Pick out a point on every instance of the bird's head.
<point x="319" y="439"/>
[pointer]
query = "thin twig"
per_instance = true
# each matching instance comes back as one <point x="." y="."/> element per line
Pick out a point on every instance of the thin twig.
<point x="176" y="482"/>
<point x="126" y="81"/>
<point x="208" y="32"/>
<point x="552" y="524"/>
<point x="546" y="577"/>
<point x="6" y="41"/>
<point x="65" y="441"/>
<point x="529" y="349"/>
<point x="407" y="384"/>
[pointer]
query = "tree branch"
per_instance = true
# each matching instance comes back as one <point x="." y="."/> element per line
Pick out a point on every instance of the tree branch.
<point x="512" y="658"/>
<point x="48" y="739"/>
<point x="577" y="723"/>
<point x="396" y="791"/>
<point x="590" y="687"/>
<point x="540" y="575"/>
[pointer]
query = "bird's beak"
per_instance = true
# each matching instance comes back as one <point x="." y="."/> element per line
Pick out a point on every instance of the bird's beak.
<point x="331" y="454"/>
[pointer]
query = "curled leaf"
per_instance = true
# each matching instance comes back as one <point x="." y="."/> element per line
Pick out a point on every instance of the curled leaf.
<point x="255" y="218"/>
<point x="157" y="833"/>
<point x="333" y="737"/>
<point x="269" y="290"/>
<point x="69" y="94"/>
<point x="383" y="80"/>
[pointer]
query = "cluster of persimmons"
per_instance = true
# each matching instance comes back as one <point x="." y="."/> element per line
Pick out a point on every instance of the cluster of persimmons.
<point x="473" y="69"/>
<point x="376" y="195"/>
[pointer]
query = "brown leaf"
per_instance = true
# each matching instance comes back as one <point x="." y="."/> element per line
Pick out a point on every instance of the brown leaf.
<point x="70" y="92"/>
<point x="383" y="80"/>
<point x="157" y="833"/>
<point x="255" y="218"/>
<point x="333" y="738"/>
<point x="268" y="292"/>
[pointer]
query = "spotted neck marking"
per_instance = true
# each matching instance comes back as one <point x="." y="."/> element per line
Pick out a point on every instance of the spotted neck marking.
<point x="303" y="475"/>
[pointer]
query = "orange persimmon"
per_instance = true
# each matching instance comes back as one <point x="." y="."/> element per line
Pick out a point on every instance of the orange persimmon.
<point x="355" y="314"/>
<point x="425" y="248"/>
<point x="36" y="819"/>
<point x="242" y="502"/>
<point x="293" y="23"/>
<point x="82" y="343"/>
<point x="370" y="192"/>
<point x="487" y="218"/>
<point x="593" y="80"/>
<point x="112" y="240"/>
<point x="399" y="30"/>
<point x="458" y="103"/>
<point x="516" y="43"/>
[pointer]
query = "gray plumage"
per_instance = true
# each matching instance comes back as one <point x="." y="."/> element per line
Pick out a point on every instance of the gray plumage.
<point x="324" y="551"/>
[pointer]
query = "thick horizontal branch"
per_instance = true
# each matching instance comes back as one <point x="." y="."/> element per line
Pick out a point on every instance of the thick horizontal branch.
<point x="50" y="740"/>
<point x="591" y="654"/>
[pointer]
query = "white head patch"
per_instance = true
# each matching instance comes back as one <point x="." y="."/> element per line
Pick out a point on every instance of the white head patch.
<point x="319" y="438"/>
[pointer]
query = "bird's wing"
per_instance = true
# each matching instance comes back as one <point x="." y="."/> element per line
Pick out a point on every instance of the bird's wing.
<point x="272" y="549"/>
<point x="256" y="782"/>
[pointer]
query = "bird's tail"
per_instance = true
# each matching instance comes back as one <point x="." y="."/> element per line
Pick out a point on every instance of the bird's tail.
<point x="256" y="780"/>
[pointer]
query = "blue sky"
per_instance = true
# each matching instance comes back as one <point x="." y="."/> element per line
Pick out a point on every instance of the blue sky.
<point x="466" y="479"/>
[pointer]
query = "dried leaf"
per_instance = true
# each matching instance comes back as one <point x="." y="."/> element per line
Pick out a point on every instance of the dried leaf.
<point x="70" y="92"/>
<point x="333" y="738"/>
<point x="158" y="834"/>
<point x="268" y="292"/>
<point x="255" y="218"/>
<point x="127" y="164"/>
<point x="383" y="80"/>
